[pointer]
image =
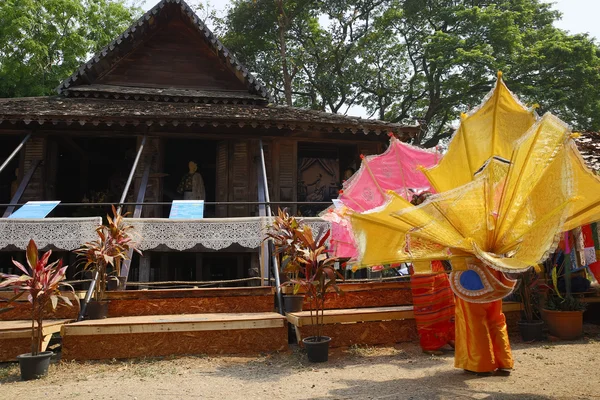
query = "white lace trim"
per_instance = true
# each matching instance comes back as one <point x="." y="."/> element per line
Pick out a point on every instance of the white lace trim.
<point x="213" y="233"/>
<point x="61" y="233"/>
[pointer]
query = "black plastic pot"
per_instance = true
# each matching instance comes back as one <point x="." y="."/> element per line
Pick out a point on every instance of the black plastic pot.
<point x="115" y="283"/>
<point x="34" y="367"/>
<point x="531" y="331"/>
<point x="292" y="303"/>
<point x="97" y="309"/>
<point x="317" y="351"/>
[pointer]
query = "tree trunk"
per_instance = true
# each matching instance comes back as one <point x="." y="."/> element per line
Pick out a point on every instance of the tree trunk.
<point x="287" y="79"/>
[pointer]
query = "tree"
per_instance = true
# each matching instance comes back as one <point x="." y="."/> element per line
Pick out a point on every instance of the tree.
<point x="44" y="41"/>
<point x="428" y="60"/>
<point x="306" y="51"/>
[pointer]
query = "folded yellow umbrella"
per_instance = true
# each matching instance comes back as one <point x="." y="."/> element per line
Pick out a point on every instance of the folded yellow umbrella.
<point x="509" y="184"/>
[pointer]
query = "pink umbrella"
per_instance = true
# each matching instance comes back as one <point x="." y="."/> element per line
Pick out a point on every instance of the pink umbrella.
<point x="395" y="169"/>
<point x="398" y="169"/>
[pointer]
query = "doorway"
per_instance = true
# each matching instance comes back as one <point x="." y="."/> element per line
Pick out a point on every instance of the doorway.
<point x="178" y="154"/>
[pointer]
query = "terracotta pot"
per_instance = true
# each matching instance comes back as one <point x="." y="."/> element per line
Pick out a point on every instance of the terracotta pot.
<point x="566" y="325"/>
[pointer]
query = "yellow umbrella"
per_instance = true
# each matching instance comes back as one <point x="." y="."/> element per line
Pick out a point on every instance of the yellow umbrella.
<point x="508" y="185"/>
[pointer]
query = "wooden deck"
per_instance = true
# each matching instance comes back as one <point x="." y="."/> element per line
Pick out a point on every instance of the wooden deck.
<point x="15" y="337"/>
<point x="163" y="335"/>
<point x="372" y="326"/>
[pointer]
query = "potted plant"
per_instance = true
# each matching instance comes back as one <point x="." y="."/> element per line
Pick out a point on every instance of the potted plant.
<point x="103" y="258"/>
<point x="284" y="231"/>
<point x="530" y="325"/>
<point x="317" y="276"/>
<point x="563" y="314"/>
<point x="41" y="282"/>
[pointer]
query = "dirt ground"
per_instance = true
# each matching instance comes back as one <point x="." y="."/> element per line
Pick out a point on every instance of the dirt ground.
<point x="547" y="370"/>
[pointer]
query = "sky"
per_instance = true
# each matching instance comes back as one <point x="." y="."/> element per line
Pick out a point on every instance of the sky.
<point x="579" y="16"/>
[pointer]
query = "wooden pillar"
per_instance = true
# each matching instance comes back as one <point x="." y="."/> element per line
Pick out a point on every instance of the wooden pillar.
<point x="240" y="268"/>
<point x="199" y="266"/>
<point x="144" y="270"/>
<point x="164" y="267"/>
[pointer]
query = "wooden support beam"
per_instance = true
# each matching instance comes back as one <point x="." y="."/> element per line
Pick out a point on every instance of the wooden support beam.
<point x="21" y="188"/>
<point x="15" y="152"/>
<point x="136" y="214"/>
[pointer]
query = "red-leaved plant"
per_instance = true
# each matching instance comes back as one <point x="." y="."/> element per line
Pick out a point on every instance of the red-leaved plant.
<point x="317" y="274"/>
<point x="313" y="271"/>
<point x="112" y="247"/>
<point x="41" y="282"/>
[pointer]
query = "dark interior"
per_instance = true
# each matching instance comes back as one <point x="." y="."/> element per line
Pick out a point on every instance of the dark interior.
<point x="91" y="170"/>
<point x="178" y="154"/>
<point x="8" y="178"/>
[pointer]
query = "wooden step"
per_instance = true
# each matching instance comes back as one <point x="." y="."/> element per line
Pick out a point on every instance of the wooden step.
<point x="373" y="325"/>
<point x="15" y="336"/>
<point x="164" y="335"/>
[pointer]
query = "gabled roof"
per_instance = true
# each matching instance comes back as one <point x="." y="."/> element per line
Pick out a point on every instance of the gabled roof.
<point x="140" y="32"/>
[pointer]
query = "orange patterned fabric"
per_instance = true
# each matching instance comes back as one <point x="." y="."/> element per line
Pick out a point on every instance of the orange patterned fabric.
<point x="481" y="337"/>
<point x="433" y="303"/>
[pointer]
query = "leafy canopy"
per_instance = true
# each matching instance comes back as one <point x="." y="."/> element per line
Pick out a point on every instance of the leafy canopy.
<point x="406" y="60"/>
<point x="45" y="41"/>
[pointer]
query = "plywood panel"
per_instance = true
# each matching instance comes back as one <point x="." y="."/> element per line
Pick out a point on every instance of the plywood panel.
<point x="240" y="341"/>
<point x="241" y="304"/>
<point x="190" y="293"/>
<point x="22" y="311"/>
<point x="367" y="333"/>
<point x="11" y="348"/>
<point x="366" y="298"/>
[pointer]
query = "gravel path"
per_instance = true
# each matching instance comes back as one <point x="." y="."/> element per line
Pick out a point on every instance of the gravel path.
<point x="549" y="370"/>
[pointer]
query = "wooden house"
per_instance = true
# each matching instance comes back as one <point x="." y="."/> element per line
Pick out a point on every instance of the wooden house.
<point x="162" y="94"/>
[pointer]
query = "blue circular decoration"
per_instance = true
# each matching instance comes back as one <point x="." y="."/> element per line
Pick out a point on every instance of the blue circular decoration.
<point x="471" y="280"/>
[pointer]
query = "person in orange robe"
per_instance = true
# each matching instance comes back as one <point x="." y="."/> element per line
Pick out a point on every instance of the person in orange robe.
<point x="482" y="344"/>
<point x="433" y="305"/>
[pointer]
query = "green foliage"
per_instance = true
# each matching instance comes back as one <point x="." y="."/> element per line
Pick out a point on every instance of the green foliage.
<point x="45" y="41"/>
<point x="417" y="59"/>
<point x="530" y="286"/>
<point x="41" y="282"/>
<point x="569" y="303"/>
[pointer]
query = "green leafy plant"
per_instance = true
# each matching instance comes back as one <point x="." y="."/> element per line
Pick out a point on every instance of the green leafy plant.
<point x="105" y="255"/>
<point x="529" y="294"/>
<point x="41" y="282"/>
<point x="555" y="301"/>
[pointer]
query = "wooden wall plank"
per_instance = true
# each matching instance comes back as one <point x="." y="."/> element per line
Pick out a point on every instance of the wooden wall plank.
<point x="35" y="149"/>
<point x="175" y="56"/>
